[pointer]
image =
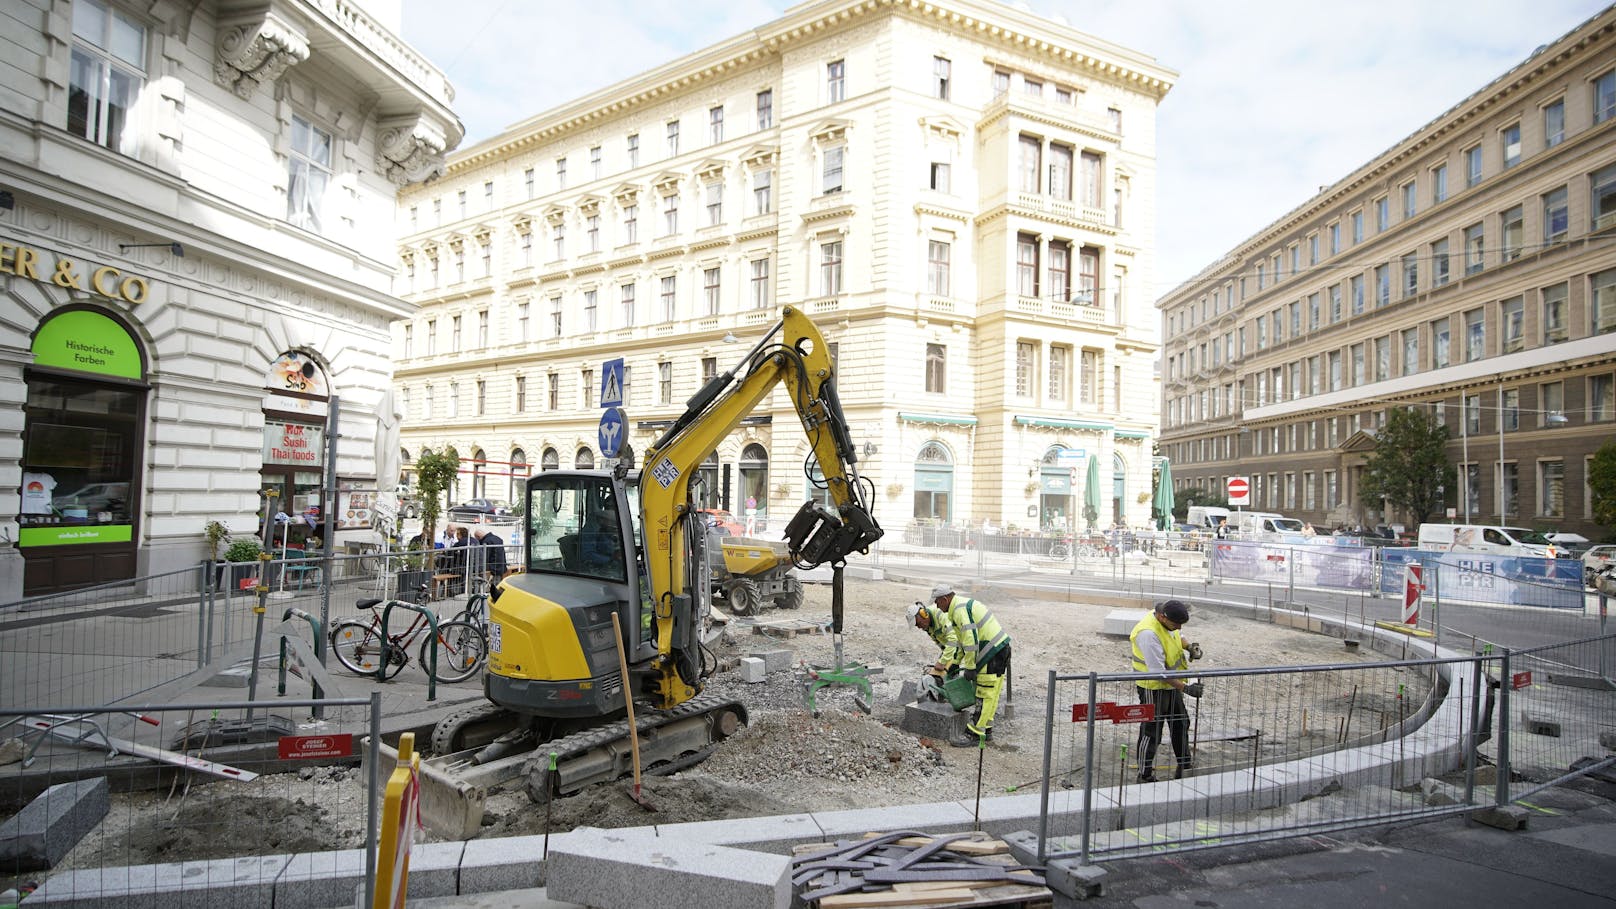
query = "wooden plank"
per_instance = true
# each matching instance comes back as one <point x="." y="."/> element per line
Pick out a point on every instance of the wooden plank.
<point x="894" y="898"/>
<point x="964" y="847"/>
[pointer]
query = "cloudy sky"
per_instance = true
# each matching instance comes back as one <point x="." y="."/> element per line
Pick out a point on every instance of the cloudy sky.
<point x="1274" y="99"/>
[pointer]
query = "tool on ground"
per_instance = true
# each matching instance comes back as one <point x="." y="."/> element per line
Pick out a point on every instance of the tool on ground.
<point x="855" y="674"/>
<point x="633" y="730"/>
<point x="981" y="752"/>
<point x="85" y="731"/>
<point x="547" y="803"/>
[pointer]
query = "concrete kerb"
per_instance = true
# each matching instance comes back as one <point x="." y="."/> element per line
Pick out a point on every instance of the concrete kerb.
<point x="750" y="853"/>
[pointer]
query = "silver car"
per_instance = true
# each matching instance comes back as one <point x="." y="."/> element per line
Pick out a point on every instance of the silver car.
<point x="1596" y="560"/>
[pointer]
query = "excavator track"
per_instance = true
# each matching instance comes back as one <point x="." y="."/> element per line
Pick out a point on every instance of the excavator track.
<point x="603" y="753"/>
<point x="471" y="727"/>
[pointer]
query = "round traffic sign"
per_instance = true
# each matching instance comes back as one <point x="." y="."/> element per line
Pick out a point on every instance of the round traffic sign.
<point x="1239" y="489"/>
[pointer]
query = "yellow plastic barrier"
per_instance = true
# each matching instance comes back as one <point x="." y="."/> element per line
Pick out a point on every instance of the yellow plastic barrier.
<point x="400" y="821"/>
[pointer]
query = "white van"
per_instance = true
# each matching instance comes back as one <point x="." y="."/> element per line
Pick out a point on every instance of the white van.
<point x="1206" y="517"/>
<point x="1486" y="538"/>
<point x="1267" y="526"/>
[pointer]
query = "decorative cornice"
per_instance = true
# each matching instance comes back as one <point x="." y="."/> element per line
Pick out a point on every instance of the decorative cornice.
<point x="254" y="51"/>
<point x="937" y="211"/>
<point x="409" y="148"/>
<point x="825" y="214"/>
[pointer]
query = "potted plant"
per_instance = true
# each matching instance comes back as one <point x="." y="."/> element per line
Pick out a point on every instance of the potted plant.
<point x="243" y="558"/>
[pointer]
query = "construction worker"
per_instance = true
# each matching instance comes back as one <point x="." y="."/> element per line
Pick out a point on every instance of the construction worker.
<point x="1159" y="648"/>
<point x="984" y="657"/>
<point x="935" y="623"/>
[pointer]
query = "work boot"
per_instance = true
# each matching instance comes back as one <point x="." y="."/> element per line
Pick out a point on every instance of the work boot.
<point x="969" y="738"/>
<point x="1148" y="776"/>
<point x="1183" y="770"/>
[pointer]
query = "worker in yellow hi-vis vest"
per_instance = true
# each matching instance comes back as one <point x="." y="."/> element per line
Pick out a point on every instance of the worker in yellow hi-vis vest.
<point x="1157" y="648"/>
<point x="984" y="657"/>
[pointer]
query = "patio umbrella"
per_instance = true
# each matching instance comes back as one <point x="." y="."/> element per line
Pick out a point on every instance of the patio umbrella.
<point x="1091" y="493"/>
<point x="1162" y="506"/>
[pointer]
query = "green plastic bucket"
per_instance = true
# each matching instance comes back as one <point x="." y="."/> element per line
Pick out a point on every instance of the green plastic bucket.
<point x="960" y="691"/>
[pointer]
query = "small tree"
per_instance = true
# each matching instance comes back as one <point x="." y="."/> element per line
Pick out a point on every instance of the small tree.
<point x="1409" y="466"/>
<point x="435" y="474"/>
<point x="1602" y="484"/>
<point x="1184" y="498"/>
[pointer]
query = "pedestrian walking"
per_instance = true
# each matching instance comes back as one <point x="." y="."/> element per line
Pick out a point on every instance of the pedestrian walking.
<point x="1158" y="647"/>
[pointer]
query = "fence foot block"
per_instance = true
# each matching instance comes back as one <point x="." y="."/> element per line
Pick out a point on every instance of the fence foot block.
<point x="1067" y="876"/>
<point x="1508" y="817"/>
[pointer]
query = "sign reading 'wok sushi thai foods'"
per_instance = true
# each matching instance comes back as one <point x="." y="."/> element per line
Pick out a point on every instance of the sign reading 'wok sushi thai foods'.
<point x="295" y="444"/>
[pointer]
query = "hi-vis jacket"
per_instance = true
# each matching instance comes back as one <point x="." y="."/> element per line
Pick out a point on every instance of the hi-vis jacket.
<point x="942" y="634"/>
<point x="979" y="633"/>
<point x="1172" y="648"/>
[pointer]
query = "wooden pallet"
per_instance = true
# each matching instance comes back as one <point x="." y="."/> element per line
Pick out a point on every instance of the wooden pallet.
<point x="788" y="628"/>
<point x="972" y="871"/>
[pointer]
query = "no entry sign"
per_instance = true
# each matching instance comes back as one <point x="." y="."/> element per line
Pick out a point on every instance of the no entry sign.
<point x="1239" y="489"/>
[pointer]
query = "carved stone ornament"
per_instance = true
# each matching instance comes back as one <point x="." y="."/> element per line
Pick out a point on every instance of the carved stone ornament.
<point x="258" y="51"/>
<point x="409" y="149"/>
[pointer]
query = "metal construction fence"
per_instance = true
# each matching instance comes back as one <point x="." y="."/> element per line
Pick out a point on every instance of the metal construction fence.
<point x="1290" y="751"/>
<point x="134" y="784"/>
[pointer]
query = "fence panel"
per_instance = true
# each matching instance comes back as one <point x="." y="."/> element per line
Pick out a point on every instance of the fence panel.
<point x="1560" y="702"/>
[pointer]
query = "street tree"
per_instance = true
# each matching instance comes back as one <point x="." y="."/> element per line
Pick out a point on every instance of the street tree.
<point x="1193" y="495"/>
<point x="1409" y="466"/>
<point x="435" y="475"/>
<point x="1602" y="484"/>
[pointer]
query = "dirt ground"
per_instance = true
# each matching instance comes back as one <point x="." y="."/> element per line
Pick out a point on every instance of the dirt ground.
<point x="786" y="760"/>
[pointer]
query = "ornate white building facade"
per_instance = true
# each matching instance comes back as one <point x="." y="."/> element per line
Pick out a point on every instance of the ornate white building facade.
<point x="196" y="260"/>
<point x="960" y="194"/>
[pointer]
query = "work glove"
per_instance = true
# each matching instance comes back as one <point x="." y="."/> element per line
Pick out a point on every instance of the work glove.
<point x="970" y="675"/>
<point x="1194" y="689"/>
<point x="1194" y="650"/>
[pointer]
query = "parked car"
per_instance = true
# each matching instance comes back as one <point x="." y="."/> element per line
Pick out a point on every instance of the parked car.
<point x="1595" y="560"/>
<point x="476" y="509"/>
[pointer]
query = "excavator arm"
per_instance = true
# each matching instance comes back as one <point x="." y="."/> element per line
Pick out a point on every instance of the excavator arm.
<point x="793" y="353"/>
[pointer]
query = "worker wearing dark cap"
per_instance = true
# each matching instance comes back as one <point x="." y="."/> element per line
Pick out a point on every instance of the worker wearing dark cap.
<point x="1159" y="648"/>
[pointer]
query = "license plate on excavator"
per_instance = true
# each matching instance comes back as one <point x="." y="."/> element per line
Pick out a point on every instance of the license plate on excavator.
<point x="494" y="630"/>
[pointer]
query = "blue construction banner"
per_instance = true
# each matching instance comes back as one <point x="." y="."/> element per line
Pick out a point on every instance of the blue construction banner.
<point x="1333" y="567"/>
<point x="1482" y="578"/>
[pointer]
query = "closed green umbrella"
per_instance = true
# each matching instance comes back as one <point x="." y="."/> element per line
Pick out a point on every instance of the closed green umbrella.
<point x="1162" y="506"/>
<point x="1091" y="492"/>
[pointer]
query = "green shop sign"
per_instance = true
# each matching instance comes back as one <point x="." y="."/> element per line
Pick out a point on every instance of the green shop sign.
<point x="73" y="536"/>
<point x="87" y="341"/>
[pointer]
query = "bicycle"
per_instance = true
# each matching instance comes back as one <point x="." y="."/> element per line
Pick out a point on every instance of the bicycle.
<point x="359" y="646"/>
<point x="476" y="610"/>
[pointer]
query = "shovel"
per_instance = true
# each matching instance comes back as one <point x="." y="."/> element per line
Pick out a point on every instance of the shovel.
<point x="633" y="730"/>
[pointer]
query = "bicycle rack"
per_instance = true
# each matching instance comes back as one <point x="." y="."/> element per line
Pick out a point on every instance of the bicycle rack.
<point x="319" y="651"/>
<point x="387" y="643"/>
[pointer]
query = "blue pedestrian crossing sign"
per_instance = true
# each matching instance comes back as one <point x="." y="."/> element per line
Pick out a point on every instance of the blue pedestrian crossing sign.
<point x="613" y="426"/>
<point x="611" y="384"/>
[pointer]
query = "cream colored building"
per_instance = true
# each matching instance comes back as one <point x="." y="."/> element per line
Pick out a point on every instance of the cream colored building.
<point x="196" y="261"/>
<point x="1470" y="268"/>
<point x="960" y="194"/>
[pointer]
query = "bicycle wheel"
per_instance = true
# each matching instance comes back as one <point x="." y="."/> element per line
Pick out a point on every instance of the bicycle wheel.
<point x="358" y="647"/>
<point x="475" y="613"/>
<point x="1059" y="552"/>
<point x="461" y="651"/>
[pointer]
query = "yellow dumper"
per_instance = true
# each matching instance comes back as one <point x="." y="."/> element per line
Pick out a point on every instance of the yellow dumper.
<point x="753" y="572"/>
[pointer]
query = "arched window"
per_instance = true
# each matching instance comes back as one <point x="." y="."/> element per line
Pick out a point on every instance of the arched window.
<point x="584" y="459"/>
<point x="518" y="474"/>
<point x="934" y="483"/>
<point x="406" y="469"/>
<point x="754" y="492"/>
<point x="1119" y="490"/>
<point x="479" y="474"/>
<point x="549" y="460"/>
<point x="1054" y="491"/>
<point x="708" y="492"/>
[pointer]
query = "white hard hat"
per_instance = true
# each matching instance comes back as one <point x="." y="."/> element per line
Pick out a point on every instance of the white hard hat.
<point x="942" y="590"/>
<point x="914" y="610"/>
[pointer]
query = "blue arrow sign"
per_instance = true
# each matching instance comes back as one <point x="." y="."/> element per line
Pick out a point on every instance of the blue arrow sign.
<point x="613" y="426"/>
<point x="611" y="384"/>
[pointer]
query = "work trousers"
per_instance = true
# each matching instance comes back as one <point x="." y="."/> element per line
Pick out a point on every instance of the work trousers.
<point x="989" y="688"/>
<point x="1169" y="704"/>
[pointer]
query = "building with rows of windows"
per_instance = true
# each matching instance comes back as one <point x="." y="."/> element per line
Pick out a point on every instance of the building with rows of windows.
<point x="960" y="194"/>
<point x="1469" y="269"/>
<point x="196" y="202"/>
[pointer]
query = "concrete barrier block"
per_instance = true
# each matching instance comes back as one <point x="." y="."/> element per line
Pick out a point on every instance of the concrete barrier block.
<point x="936" y="817"/>
<point x="753" y="670"/>
<point x="319" y="880"/>
<point x="933" y="719"/>
<point x="775" y="834"/>
<point x="774" y="660"/>
<point x="48" y="827"/>
<point x="240" y="883"/>
<point x="1120" y="622"/>
<point x="612" y="870"/>
<point x="506" y="863"/>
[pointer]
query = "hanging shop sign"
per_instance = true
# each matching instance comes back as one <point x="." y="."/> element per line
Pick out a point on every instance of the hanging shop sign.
<point x="293" y="444"/>
<point x="84" y="340"/>
<point x="49" y="268"/>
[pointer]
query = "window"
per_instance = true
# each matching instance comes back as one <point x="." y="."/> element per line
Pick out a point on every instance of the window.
<point x="937" y="267"/>
<point x="715" y="125"/>
<point x="830" y="268"/>
<point x="1113" y="116"/>
<point x="1383" y="358"/>
<point x="561" y="173"/>
<point x="1554" y="124"/>
<point x="1509" y="485"/>
<point x="1026" y="366"/>
<point x="482" y="397"/>
<point x="940" y="69"/>
<point x="1060" y="271"/>
<point x="460" y="202"/>
<point x="1001" y="83"/>
<point x="1314" y="314"/>
<point x="710" y="293"/>
<point x="555" y="317"/>
<point x="670" y="299"/>
<point x="1060" y="358"/>
<point x="759" y="291"/>
<point x="664" y="383"/>
<point x="1333" y="358"/>
<point x="482" y="328"/>
<point x="108" y="73"/>
<point x="409" y="340"/>
<point x="1359" y="366"/>
<point x="488" y="195"/>
<point x="1335" y="301"/>
<point x="936" y="368"/>
<point x="1313" y="249"/>
<point x="596" y="166"/>
<point x="1509" y="409"/>
<point x="431" y="337"/>
<point x="1552" y="396"/>
<point x="1411" y="280"/>
<point x="831" y="180"/>
<point x="631" y="224"/>
<point x="1032" y="87"/>
<point x="527" y="248"/>
<point x="1513" y="222"/>
<point x="1605" y="97"/>
<point x="835" y="81"/>
<point x="1060" y="172"/>
<point x="1093" y="171"/>
<point x="1602" y="304"/>
<point x="1509" y="141"/>
<point x="634" y="150"/>
<point x="765" y="109"/>
<point x="1475" y="244"/>
<point x="586" y="381"/>
<point x="763" y="192"/>
<point x="673" y="138"/>
<point x="627" y="305"/>
<point x="591" y="310"/>
<point x="1027" y="265"/>
<point x="1089" y="377"/>
<point x="1555" y="329"/>
<point x="670" y="214"/>
<point x="715" y="204"/>
<point x="1551" y="489"/>
<point x="1439" y="183"/>
<point x="1556" y="215"/>
<point x="1357" y="228"/>
<point x="527" y="181"/>
<point x="1411" y="351"/>
<point x="1602" y="199"/>
<point x="1439" y="343"/>
<point x="1512" y="325"/>
<point x="1410" y="203"/>
<point x="1383" y="214"/>
<point x="1335" y="238"/>
<point x="1472" y="157"/>
<point x="454" y="334"/>
<point x="939" y="176"/>
<point x="308" y="168"/>
<point x="1088" y="275"/>
<point x="558" y="239"/>
<point x="1475" y="336"/>
<point x="1439" y="262"/>
<point x="709" y="369"/>
<point x="1031" y="155"/>
<point x="1602" y="397"/>
<point x="592" y="230"/>
<point x="1296" y="319"/>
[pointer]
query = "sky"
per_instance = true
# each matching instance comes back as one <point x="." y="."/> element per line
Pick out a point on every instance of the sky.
<point x="1274" y="98"/>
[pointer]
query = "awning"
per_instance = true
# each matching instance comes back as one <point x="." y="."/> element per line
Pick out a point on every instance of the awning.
<point x="941" y="418"/>
<point x="1131" y="434"/>
<point x="1048" y="423"/>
